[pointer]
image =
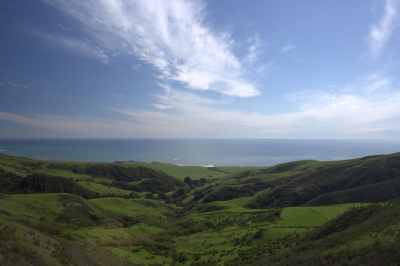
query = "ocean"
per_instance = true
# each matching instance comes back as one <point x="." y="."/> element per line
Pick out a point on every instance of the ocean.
<point x="221" y="152"/>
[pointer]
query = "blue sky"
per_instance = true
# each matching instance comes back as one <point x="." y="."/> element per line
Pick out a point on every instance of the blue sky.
<point x="200" y="69"/>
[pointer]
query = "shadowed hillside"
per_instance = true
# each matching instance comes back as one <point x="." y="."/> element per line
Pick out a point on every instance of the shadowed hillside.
<point x="361" y="236"/>
<point x="369" y="179"/>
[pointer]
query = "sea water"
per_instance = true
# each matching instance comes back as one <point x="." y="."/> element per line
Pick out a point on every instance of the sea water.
<point x="251" y="152"/>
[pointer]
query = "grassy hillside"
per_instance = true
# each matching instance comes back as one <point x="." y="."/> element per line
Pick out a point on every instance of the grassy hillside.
<point x="193" y="172"/>
<point x="337" y="182"/>
<point x="361" y="236"/>
<point x="124" y="213"/>
<point x="20" y="175"/>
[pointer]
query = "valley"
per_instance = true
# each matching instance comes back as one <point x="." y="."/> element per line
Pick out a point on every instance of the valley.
<point x="133" y="213"/>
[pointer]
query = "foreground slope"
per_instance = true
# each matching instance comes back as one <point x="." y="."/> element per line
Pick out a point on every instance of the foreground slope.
<point x="362" y="236"/>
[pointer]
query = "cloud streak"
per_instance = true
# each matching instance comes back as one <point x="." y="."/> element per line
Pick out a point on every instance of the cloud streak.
<point x="288" y="48"/>
<point x="171" y="35"/>
<point x="381" y="32"/>
<point x="365" y="108"/>
<point x="14" y="85"/>
<point x="66" y="126"/>
<point x="81" y="47"/>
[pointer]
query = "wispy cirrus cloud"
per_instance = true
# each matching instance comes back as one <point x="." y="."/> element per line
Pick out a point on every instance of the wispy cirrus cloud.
<point x="365" y="108"/>
<point x="381" y="31"/>
<point x="13" y="84"/>
<point x="81" y="47"/>
<point x="288" y="48"/>
<point x="171" y="35"/>
<point x="50" y="125"/>
<point x="253" y="50"/>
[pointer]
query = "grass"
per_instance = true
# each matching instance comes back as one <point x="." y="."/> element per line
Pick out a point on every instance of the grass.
<point x="65" y="173"/>
<point x="132" y="244"/>
<point x="311" y="216"/>
<point x="18" y="239"/>
<point x="367" y="235"/>
<point x="194" y="172"/>
<point x="219" y="236"/>
<point x="140" y="256"/>
<point x="19" y="165"/>
<point x="31" y="207"/>
<point x="114" y="236"/>
<point x="60" y="210"/>
<point x="303" y="219"/>
<point x="236" y="205"/>
<point x="13" y="170"/>
<point x="104" y="190"/>
<point x="227" y="233"/>
<point x="369" y="179"/>
<point x="148" y="211"/>
<point x="159" y="229"/>
<point x="215" y="248"/>
<point x="222" y="236"/>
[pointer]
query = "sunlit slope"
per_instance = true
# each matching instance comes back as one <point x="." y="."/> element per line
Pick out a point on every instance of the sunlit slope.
<point x="55" y="229"/>
<point x="361" y="236"/>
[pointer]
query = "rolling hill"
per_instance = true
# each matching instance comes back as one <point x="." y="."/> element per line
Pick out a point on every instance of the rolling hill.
<point x="369" y="179"/>
<point x="124" y="213"/>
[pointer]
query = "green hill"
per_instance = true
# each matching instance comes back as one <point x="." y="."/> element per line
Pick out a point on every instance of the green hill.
<point x="361" y="236"/>
<point x="369" y="179"/>
<point x="20" y="175"/>
<point x="298" y="213"/>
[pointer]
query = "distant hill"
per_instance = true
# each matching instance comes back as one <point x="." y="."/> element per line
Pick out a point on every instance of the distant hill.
<point x="21" y="175"/>
<point x="369" y="179"/>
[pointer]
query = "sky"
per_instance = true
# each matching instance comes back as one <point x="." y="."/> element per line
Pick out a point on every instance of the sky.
<point x="200" y="69"/>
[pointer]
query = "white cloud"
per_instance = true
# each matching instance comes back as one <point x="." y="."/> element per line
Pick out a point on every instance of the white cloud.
<point x="170" y="35"/>
<point x="377" y="82"/>
<point x="288" y="48"/>
<point x="253" y="50"/>
<point x="81" y="47"/>
<point x="381" y="32"/>
<point x="365" y="108"/>
<point x="48" y="125"/>
<point x="51" y="122"/>
<point x="355" y="111"/>
<point x="13" y="84"/>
